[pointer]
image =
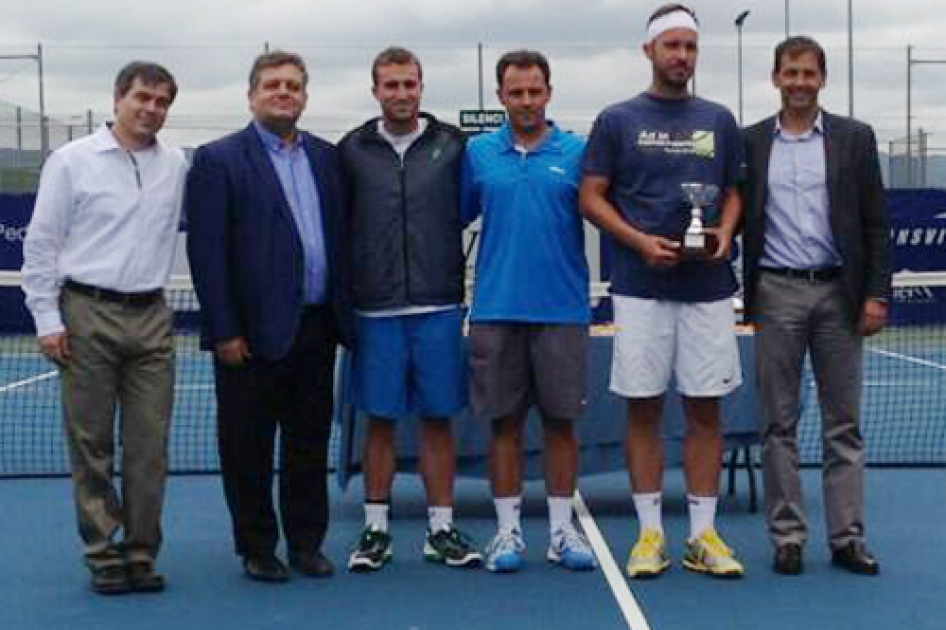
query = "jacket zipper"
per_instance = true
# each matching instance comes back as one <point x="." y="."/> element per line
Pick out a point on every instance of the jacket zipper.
<point x="402" y="173"/>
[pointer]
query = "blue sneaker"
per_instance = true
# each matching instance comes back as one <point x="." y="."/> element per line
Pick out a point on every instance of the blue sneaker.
<point x="504" y="554"/>
<point x="571" y="550"/>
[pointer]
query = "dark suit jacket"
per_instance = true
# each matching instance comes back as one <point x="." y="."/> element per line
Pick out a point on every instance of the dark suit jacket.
<point x="244" y="248"/>
<point x="858" y="210"/>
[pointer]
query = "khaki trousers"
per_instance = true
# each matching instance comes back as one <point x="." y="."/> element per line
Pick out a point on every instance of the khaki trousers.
<point x="122" y="359"/>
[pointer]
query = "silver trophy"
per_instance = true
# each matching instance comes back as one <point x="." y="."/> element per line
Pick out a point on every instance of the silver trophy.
<point x="697" y="243"/>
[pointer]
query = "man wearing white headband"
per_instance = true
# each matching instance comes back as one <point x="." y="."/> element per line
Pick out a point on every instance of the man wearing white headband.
<point x="676" y="18"/>
<point x="673" y="312"/>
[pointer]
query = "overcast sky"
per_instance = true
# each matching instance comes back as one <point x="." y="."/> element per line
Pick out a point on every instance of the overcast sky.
<point x="593" y="45"/>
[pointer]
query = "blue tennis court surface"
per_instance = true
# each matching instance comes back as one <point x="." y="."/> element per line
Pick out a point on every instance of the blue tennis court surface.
<point x="45" y="586"/>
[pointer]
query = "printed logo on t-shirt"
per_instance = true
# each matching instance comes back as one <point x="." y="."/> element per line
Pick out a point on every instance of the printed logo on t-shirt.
<point x="701" y="143"/>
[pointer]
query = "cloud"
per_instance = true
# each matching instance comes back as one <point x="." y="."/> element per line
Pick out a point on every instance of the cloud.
<point x="594" y="47"/>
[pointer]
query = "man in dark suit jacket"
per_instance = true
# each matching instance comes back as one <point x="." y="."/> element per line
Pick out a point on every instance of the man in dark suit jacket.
<point x="817" y="280"/>
<point x="264" y="209"/>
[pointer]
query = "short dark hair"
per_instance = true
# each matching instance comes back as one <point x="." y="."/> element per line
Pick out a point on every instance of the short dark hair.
<point x="149" y="73"/>
<point x="799" y="45"/>
<point x="671" y="8"/>
<point x="395" y="56"/>
<point x="275" y="59"/>
<point x="523" y="59"/>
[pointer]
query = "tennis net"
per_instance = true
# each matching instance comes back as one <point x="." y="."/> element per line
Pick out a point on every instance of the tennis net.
<point x="903" y="422"/>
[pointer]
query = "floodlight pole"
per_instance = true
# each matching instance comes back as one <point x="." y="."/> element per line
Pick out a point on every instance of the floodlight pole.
<point x="43" y="123"/>
<point x="479" y="62"/>
<point x="910" y="63"/>
<point x="740" y="21"/>
<point x="909" y="115"/>
<point x="787" y="30"/>
<point x="850" y="58"/>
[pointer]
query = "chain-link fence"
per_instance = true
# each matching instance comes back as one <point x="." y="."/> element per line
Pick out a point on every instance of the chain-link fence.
<point x="915" y="163"/>
<point x="587" y="76"/>
<point x="21" y="142"/>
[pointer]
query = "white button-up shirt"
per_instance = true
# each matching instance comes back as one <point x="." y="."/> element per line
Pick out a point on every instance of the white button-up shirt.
<point x="105" y="217"/>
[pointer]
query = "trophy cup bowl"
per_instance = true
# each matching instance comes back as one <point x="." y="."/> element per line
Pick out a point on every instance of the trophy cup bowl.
<point x="696" y="242"/>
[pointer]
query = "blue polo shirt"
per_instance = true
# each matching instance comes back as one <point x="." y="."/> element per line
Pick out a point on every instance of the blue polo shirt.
<point x="646" y="147"/>
<point x="531" y="262"/>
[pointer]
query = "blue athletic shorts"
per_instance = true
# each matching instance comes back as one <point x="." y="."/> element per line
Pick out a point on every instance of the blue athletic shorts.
<point x="410" y="365"/>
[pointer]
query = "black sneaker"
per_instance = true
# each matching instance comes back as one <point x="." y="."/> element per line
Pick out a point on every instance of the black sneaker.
<point x="372" y="552"/>
<point x="452" y="548"/>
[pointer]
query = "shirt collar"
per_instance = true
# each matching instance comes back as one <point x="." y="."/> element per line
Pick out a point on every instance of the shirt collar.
<point x="551" y="142"/>
<point x="103" y="140"/>
<point x="273" y="142"/>
<point x="816" y="127"/>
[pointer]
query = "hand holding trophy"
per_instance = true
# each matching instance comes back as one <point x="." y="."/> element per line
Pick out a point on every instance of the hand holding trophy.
<point x="698" y="243"/>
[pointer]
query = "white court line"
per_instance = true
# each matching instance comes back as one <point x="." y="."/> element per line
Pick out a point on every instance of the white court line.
<point x="622" y="593"/>
<point x="29" y="381"/>
<point x="49" y="375"/>
<point x="909" y="359"/>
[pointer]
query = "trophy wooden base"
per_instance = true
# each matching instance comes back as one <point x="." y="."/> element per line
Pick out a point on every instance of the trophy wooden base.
<point x="699" y="249"/>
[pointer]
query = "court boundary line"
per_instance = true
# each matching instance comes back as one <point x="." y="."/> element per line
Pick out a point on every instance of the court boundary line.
<point x="29" y="381"/>
<point x="909" y="359"/>
<point x="632" y="612"/>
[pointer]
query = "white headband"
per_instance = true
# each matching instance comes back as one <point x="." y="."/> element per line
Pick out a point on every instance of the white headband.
<point x="670" y="21"/>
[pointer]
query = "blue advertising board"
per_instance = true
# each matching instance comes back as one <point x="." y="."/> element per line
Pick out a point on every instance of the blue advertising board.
<point x="15" y="212"/>
<point x="917" y="233"/>
<point x="918" y="239"/>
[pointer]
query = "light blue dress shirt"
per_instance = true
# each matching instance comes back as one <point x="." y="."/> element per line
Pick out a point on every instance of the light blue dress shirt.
<point x="298" y="183"/>
<point x="797" y="226"/>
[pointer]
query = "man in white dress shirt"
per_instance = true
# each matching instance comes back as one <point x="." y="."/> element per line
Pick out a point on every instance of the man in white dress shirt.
<point x="97" y="253"/>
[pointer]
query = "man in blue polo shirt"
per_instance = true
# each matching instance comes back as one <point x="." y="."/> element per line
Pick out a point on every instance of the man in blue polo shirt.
<point x="529" y="324"/>
<point x="673" y="315"/>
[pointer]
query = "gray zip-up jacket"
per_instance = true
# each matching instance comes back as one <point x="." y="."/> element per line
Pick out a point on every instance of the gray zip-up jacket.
<point x="404" y="217"/>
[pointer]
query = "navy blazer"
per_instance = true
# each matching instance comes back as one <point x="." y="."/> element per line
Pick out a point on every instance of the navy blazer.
<point x="857" y="209"/>
<point x="244" y="248"/>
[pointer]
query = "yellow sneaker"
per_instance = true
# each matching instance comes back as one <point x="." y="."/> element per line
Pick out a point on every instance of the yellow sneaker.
<point x="709" y="554"/>
<point x="648" y="558"/>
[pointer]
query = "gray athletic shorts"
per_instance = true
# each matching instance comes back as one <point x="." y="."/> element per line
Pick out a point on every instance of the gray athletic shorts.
<point x="514" y="365"/>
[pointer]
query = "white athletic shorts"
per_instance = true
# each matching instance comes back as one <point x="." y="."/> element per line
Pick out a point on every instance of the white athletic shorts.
<point x="694" y="342"/>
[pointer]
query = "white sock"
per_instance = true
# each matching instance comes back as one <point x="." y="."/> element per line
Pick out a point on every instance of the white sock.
<point x="439" y="517"/>
<point x="649" y="506"/>
<point x="507" y="513"/>
<point x="560" y="513"/>
<point x="376" y="516"/>
<point x="702" y="514"/>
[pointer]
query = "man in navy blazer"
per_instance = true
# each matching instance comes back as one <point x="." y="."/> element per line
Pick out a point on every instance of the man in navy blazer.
<point x="817" y="279"/>
<point x="264" y="208"/>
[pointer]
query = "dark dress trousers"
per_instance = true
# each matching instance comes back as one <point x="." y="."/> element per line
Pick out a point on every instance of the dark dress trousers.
<point x="247" y="262"/>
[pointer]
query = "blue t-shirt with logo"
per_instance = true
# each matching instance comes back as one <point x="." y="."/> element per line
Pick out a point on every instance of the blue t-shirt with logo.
<point x="647" y="147"/>
<point x="531" y="262"/>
